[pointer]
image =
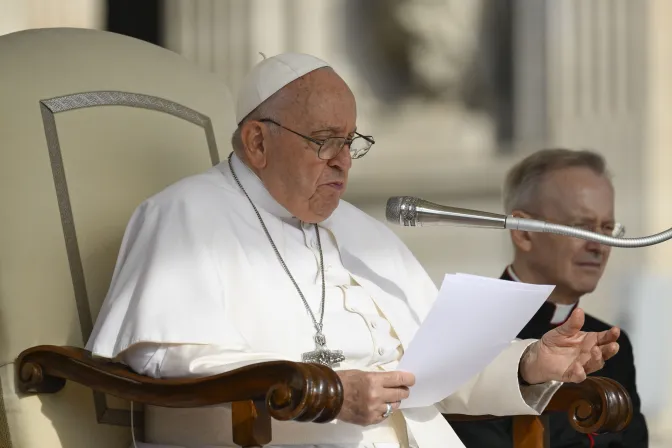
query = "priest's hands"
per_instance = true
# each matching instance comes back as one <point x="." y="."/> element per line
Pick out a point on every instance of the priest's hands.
<point x="568" y="354"/>
<point x="367" y="394"/>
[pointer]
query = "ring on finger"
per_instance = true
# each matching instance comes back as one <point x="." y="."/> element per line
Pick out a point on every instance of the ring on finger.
<point x="388" y="411"/>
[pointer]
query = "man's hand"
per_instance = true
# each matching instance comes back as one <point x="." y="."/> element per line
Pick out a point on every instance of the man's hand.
<point x="367" y="394"/>
<point x="568" y="354"/>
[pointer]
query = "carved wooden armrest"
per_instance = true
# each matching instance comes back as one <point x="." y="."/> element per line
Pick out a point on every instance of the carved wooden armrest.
<point x="280" y="389"/>
<point x="596" y="405"/>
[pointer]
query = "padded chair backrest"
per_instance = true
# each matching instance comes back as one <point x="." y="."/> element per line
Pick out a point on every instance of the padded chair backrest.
<point x="91" y="124"/>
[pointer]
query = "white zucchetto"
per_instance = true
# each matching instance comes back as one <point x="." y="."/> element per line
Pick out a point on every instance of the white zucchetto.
<point x="271" y="75"/>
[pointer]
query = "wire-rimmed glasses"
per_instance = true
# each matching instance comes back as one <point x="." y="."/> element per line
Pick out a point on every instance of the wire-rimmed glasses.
<point x="330" y="147"/>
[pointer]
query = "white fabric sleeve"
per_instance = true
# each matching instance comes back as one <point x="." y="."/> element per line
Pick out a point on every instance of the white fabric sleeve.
<point x="188" y="360"/>
<point x="496" y="390"/>
<point x="169" y="285"/>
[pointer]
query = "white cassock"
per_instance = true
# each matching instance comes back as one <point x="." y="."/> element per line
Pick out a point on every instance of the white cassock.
<point x="198" y="290"/>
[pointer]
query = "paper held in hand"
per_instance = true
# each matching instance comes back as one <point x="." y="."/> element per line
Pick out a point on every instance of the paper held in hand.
<point x="472" y="321"/>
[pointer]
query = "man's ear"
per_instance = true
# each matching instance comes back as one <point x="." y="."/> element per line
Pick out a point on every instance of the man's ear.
<point x="253" y="135"/>
<point x="521" y="238"/>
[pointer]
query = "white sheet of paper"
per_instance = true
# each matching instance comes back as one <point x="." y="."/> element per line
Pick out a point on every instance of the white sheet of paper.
<point x="472" y="321"/>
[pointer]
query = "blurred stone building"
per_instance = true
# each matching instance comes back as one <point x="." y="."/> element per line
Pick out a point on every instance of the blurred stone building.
<point x="456" y="91"/>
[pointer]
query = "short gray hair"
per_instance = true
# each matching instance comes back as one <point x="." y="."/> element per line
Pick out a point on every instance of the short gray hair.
<point x="267" y="109"/>
<point x="524" y="179"/>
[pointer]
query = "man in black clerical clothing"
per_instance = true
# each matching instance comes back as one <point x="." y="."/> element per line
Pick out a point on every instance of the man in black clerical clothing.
<point x="571" y="188"/>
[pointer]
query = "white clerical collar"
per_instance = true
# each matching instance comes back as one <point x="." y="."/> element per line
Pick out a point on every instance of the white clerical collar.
<point x="255" y="188"/>
<point x="562" y="310"/>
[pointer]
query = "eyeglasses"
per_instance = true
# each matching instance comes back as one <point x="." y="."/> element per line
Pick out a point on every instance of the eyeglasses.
<point x="616" y="230"/>
<point x="329" y="148"/>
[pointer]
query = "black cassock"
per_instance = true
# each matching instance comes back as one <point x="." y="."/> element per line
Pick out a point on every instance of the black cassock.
<point x="498" y="433"/>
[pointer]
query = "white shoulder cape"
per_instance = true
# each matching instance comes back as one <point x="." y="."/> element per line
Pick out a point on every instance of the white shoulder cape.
<point x="194" y="255"/>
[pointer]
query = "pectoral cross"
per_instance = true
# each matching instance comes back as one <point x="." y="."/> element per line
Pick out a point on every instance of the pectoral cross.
<point x="322" y="355"/>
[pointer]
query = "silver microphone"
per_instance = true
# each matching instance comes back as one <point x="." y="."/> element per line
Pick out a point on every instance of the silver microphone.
<point x="416" y="212"/>
<point x="410" y="211"/>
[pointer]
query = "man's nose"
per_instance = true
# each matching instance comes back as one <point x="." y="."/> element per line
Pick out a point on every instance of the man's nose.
<point x="597" y="247"/>
<point x="343" y="159"/>
<point x="594" y="247"/>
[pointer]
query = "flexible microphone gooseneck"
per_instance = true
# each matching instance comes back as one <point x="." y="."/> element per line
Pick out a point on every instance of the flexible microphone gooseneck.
<point x="416" y="212"/>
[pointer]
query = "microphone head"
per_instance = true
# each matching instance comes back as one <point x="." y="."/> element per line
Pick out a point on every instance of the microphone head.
<point x="400" y="210"/>
<point x="409" y="211"/>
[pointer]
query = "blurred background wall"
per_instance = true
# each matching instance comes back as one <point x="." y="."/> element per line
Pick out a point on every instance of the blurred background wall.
<point x="454" y="92"/>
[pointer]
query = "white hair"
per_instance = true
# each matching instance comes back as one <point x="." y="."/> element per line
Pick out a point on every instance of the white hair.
<point x="267" y="109"/>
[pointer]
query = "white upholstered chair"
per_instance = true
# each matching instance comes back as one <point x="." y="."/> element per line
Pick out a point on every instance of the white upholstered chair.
<point x="91" y="124"/>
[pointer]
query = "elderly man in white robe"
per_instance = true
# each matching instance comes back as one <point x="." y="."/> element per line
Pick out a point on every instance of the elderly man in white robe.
<point x="259" y="259"/>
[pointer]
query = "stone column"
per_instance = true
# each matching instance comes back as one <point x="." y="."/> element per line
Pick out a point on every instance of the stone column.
<point x="609" y="87"/>
<point x="214" y="34"/>
<point x="530" y="42"/>
<point x="657" y="201"/>
<point x="20" y="15"/>
<point x="595" y="100"/>
<point x="226" y="36"/>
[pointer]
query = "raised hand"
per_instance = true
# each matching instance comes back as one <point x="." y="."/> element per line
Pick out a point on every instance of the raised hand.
<point x="568" y="354"/>
<point x="367" y="394"/>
